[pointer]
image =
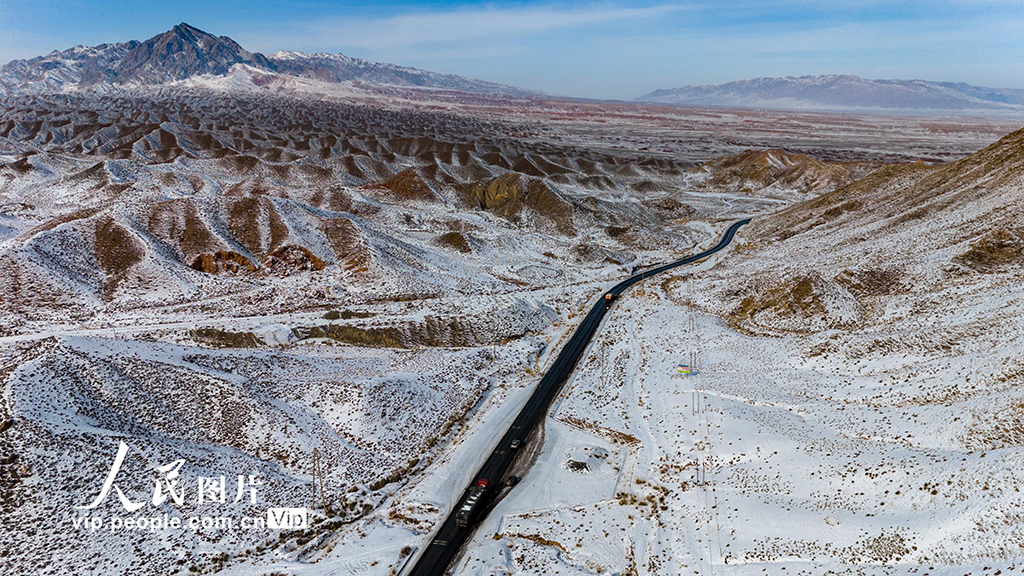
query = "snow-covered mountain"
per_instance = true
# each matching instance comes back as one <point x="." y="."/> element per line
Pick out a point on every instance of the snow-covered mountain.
<point x="185" y="51"/>
<point x="838" y="92"/>
<point x="341" y="68"/>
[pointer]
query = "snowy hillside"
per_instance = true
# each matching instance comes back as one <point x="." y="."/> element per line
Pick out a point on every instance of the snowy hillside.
<point x="856" y="408"/>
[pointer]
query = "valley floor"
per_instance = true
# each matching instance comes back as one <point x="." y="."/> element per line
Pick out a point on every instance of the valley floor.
<point x="769" y="459"/>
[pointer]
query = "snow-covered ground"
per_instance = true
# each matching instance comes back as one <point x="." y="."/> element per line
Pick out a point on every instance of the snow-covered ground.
<point x="857" y="410"/>
<point x="769" y="459"/>
<point x="219" y="283"/>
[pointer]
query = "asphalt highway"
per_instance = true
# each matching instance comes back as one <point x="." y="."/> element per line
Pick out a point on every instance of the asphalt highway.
<point x="450" y="538"/>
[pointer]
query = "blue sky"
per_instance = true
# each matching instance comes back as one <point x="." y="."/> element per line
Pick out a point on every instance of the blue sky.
<point x="599" y="49"/>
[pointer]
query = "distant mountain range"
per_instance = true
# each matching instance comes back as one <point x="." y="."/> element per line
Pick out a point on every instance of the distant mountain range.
<point x="843" y="92"/>
<point x="185" y="51"/>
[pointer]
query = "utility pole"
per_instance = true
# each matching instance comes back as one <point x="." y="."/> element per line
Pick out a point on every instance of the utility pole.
<point x="318" y="474"/>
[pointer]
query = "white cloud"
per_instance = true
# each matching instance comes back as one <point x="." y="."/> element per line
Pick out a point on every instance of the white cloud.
<point x="415" y="29"/>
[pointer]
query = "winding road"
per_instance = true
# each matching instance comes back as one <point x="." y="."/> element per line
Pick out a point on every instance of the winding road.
<point x="450" y="538"/>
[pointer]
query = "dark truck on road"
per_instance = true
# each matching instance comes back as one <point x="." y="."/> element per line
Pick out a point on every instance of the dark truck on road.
<point x="470" y="504"/>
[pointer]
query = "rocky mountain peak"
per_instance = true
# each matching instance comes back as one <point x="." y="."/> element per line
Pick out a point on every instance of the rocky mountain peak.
<point x="182" y="52"/>
<point x="185" y="51"/>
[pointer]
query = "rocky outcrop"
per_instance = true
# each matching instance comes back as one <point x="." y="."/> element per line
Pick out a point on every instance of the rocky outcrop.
<point x="292" y="259"/>
<point x="284" y="261"/>
<point x="454" y="240"/>
<point x="511" y="321"/>
<point x="223" y="261"/>
<point x="506" y="195"/>
<point x="502" y="195"/>
<point x="408" y="184"/>
<point x="807" y="303"/>
<point x="995" y="251"/>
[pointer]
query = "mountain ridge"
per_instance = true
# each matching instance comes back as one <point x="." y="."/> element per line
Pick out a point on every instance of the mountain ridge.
<point x="185" y="51"/>
<point x="842" y="92"/>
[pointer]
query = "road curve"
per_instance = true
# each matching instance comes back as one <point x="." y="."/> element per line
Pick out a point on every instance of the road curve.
<point x="450" y="538"/>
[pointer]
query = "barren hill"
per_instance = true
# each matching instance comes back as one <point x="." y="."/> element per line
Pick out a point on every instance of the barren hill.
<point x="905" y="237"/>
<point x="776" y="169"/>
